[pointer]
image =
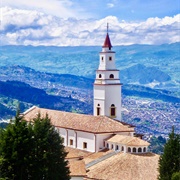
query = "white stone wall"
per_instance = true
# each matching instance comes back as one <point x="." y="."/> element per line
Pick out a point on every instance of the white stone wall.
<point x="113" y="96"/>
<point x="78" y="138"/>
<point x="106" y="63"/>
<point x="106" y="96"/>
<point x="100" y="138"/>
<point x="88" y="138"/>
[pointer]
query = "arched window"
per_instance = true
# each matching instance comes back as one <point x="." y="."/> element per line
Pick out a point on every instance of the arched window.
<point x="98" y="110"/>
<point x="139" y="150"/>
<point x="117" y="147"/>
<point x="102" y="58"/>
<point x="110" y="58"/>
<point x="107" y="145"/>
<point x="144" y="150"/>
<point x="129" y="149"/>
<point x="111" y="76"/>
<point x="113" y="110"/>
<point x="122" y="149"/>
<point x="112" y="146"/>
<point x="100" y="76"/>
<point x="134" y="150"/>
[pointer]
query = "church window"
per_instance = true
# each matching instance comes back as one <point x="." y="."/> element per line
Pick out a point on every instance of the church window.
<point x="122" y="149"/>
<point x="102" y="58"/>
<point x="129" y="149"/>
<point x="113" y="110"/>
<point x="134" y="150"/>
<point x="110" y="58"/>
<point x="71" y="142"/>
<point x="98" y="111"/>
<point x="84" y="145"/>
<point x="112" y="146"/>
<point x="117" y="147"/>
<point x="144" y="150"/>
<point x="111" y="76"/>
<point x="139" y="150"/>
<point x="100" y="76"/>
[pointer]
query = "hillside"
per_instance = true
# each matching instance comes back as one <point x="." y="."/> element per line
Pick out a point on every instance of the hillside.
<point x="67" y="85"/>
<point x="158" y="64"/>
<point x="24" y="93"/>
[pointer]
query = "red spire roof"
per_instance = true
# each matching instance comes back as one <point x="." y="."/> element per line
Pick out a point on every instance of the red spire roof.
<point x="107" y="42"/>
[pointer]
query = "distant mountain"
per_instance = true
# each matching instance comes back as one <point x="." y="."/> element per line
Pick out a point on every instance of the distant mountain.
<point x="43" y="79"/>
<point x="146" y="92"/>
<point x="143" y="75"/>
<point x="83" y="61"/>
<point x="25" y="93"/>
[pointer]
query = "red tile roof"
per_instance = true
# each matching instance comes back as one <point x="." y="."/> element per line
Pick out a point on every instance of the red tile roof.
<point x="128" y="140"/>
<point x="81" y="122"/>
<point x="107" y="42"/>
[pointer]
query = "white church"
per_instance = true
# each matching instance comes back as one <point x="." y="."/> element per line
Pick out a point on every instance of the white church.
<point x="104" y="129"/>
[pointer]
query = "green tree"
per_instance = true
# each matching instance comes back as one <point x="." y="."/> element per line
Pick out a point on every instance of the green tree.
<point x="176" y="176"/>
<point x="49" y="152"/>
<point x="169" y="161"/>
<point x="32" y="151"/>
<point x="15" y="143"/>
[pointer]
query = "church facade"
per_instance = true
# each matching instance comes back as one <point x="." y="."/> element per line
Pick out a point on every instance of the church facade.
<point x="104" y="129"/>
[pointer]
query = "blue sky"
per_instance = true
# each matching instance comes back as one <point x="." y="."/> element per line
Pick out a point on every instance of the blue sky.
<point x="42" y="22"/>
<point x="126" y="10"/>
<point x="129" y="10"/>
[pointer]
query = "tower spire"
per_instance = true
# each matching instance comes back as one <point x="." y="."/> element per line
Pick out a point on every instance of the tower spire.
<point x="107" y="42"/>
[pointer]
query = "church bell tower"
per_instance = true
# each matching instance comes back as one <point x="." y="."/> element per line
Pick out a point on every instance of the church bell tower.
<point x="107" y="86"/>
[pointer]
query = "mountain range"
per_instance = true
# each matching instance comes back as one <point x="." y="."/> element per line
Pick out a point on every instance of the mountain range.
<point x="147" y="65"/>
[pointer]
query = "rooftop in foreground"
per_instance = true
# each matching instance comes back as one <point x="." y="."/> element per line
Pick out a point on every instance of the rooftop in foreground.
<point x="120" y="166"/>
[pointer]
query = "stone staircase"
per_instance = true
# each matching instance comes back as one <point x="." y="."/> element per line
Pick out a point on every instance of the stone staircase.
<point x="102" y="158"/>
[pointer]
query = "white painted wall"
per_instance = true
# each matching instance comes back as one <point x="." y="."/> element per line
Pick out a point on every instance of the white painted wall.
<point x="106" y="63"/>
<point x="71" y="136"/>
<point x="63" y="134"/>
<point x="89" y="138"/>
<point x="100" y="141"/>
<point x="113" y="96"/>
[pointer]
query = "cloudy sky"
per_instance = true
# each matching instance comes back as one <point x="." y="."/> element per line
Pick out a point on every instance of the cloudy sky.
<point x="83" y="22"/>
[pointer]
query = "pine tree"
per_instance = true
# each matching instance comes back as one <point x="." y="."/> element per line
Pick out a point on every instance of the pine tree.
<point x="169" y="161"/>
<point x="15" y="149"/>
<point x="32" y="151"/>
<point x="49" y="152"/>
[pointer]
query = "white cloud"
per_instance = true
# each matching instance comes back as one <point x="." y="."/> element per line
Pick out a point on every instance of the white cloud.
<point x="110" y="5"/>
<point x="60" y="8"/>
<point x="27" y="27"/>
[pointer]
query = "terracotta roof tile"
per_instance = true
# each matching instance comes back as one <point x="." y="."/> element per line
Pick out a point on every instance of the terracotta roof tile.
<point x="127" y="167"/>
<point x="77" y="168"/>
<point x="128" y="140"/>
<point x="87" y="123"/>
